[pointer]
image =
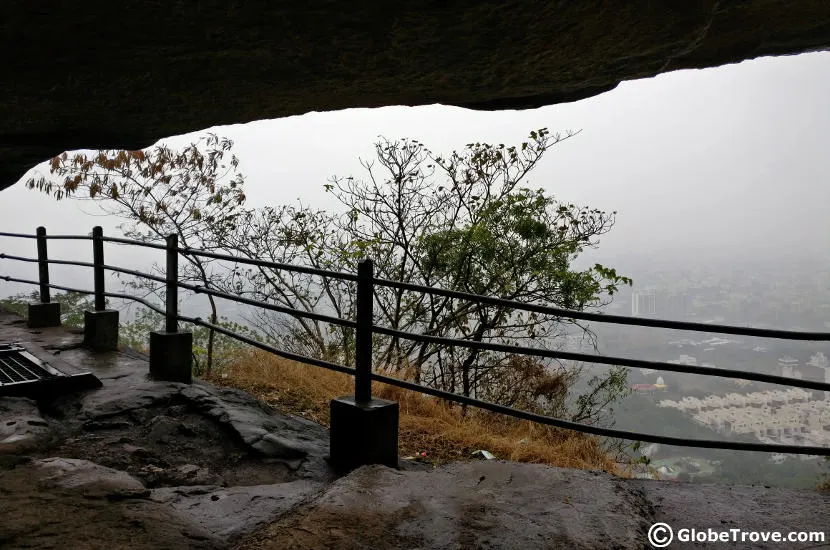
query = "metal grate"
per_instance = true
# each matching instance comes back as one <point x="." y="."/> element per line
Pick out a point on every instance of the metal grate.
<point x="17" y="366"/>
<point x="23" y="374"/>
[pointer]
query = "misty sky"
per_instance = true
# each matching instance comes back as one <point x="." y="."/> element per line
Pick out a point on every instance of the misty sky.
<point x="730" y="162"/>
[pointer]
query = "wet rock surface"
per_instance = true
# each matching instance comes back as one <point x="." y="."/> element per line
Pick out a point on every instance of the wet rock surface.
<point x="170" y="434"/>
<point x="145" y="464"/>
<point x="472" y="505"/>
<point x="705" y="506"/>
<point x="21" y="426"/>
<point x="496" y="504"/>
<point x="188" y="466"/>
<point x="232" y="512"/>
<point x="64" y="504"/>
<point x="72" y="473"/>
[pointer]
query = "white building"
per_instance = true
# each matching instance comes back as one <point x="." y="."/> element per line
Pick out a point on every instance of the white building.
<point x="788" y="367"/>
<point x="643" y="303"/>
<point x="773" y="415"/>
<point x="684" y="360"/>
<point x="820" y="360"/>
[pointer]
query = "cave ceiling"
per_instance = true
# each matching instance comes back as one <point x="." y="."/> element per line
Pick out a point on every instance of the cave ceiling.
<point x="122" y="75"/>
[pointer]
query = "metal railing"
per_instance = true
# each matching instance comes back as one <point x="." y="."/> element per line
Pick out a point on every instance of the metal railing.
<point x="365" y="329"/>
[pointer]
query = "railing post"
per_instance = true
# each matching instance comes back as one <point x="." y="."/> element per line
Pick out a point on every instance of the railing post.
<point x="45" y="313"/>
<point x="43" y="265"/>
<point x="363" y="332"/>
<point x="98" y="261"/>
<point x="171" y="322"/>
<point x="363" y="430"/>
<point x="100" y="325"/>
<point x="171" y="351"/>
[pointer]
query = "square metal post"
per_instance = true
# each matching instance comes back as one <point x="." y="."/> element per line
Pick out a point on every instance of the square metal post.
<point x="100" y="325"/>
<point x="46" y="313"/>
<point x="43" y="265"/>
<point x="363" y="430"/>
<point x="171" y="356"/>
<point x="171" y="351"/>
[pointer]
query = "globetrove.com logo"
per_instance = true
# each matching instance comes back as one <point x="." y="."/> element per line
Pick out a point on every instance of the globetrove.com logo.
<point x="661" y="535"/>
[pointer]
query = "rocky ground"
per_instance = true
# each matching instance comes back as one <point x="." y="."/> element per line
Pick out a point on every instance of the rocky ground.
<point x="145" y="464"/>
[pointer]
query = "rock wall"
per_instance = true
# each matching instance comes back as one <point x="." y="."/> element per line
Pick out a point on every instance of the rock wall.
<point x="99" y="76"/>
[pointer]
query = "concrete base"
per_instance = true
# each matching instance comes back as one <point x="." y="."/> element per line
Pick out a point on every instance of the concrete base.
<point x="101" y="330"/>
<point x="171" y="356"/>
<point x="363" y="433"/>
<point x="44" y="315"/>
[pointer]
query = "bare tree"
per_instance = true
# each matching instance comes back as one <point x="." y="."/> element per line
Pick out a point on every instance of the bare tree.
<point x="196" y="193"/>
<point x="461" y="222"/>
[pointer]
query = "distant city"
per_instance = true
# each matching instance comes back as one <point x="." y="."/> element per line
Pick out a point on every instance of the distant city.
<point x="789" y="296"/>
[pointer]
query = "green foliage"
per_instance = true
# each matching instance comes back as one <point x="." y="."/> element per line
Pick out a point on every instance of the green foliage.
<point x="522" y="245"/>
<point x="462" y="222"/>
<point x="73" y="305"/>
<point x="136" y="333"/>
<point x="596" y="405"/>
<point x="635" y="447"/>
<point x="19" y="302"/>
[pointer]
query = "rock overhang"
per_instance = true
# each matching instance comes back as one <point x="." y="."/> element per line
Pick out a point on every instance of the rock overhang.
<point x="98" y="77"/>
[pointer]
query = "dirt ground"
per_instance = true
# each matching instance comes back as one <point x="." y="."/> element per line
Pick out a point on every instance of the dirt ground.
<point x="38" y="514"/>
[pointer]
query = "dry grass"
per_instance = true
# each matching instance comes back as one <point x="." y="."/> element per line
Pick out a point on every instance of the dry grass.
<point x="427" y="425"/>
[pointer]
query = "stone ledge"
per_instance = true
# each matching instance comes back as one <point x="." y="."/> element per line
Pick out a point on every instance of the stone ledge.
<point x="469" y="505"/>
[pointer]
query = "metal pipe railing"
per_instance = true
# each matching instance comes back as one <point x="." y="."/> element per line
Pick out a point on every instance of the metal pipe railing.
<point x="599" y="431"/>
<point x="133" y="242"/>
<point x="198" y="289"/>
<point x="273" y="265"/>
<point x="529" y="307"/>
<point x="265" y="347"/>
<point x="613" y="319"/>
<point x="365" y="328"/>
<point x="606" y="359"/>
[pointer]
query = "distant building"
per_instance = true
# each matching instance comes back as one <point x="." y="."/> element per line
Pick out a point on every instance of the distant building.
<point x="685" y="360"/>
<point x="788" y="361"/>
<point x="674" y="306"/>
<point x="818" y="374"/>
<point x="788" y="367"/>
<point x="648" y="389"/>
<point x="820" y="361"/>
<point x="643" y="303"/>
